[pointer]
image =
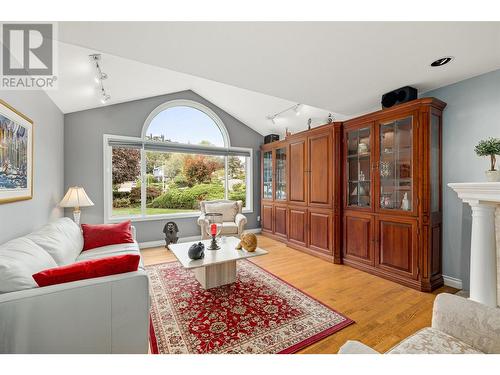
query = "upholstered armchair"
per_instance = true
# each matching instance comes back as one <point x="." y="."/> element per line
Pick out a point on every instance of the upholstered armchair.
<point x="459" y="326"/>
<point x="233" y="219"/>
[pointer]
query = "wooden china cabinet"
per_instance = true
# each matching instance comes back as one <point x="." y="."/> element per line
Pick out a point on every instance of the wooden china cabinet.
<point x="365" y="192"/>
<point x="301" y="191"/>
<point x="392" y="208"/>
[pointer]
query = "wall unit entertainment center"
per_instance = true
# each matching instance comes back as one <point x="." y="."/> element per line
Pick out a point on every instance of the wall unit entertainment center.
<point x="365" y="192"/>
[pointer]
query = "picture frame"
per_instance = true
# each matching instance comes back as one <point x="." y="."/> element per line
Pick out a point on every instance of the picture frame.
<point x="16" y="155"/>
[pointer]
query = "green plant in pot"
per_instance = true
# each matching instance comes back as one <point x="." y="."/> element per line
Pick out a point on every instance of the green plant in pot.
<point x="490" y="147"/>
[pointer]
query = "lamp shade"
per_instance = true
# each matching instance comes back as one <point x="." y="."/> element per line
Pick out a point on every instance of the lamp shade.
<point x="76" y="197"/>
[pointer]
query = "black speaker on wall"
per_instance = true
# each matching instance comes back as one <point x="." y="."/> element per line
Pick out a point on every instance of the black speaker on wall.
<point x="401" y="95"/>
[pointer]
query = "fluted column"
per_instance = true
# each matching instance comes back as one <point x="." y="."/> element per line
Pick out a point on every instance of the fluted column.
<point x="483" y="262"/>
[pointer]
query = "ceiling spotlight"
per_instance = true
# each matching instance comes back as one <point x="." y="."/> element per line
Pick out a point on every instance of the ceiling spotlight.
<point x="297" y="109"/>
<point x="442" y="61"/>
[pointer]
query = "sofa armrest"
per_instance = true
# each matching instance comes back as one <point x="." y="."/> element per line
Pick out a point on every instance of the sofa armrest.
<point x="471" y="322"/>
<point x="101" y="315"/>
<point x="356" y="347"/>
<point x="134" y="233"/>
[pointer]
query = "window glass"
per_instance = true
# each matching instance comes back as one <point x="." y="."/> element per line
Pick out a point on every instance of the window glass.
<point x="126" y="180"/>
<point x="178" y="182"/>
<point x="183" y="124"/>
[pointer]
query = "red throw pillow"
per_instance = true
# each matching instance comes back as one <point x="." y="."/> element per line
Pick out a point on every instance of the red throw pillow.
<point x="88" y="269"/>
<point x="106" y="234"/>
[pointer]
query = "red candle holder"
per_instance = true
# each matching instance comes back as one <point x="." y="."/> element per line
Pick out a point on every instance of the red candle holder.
<point x="214" y="227"/>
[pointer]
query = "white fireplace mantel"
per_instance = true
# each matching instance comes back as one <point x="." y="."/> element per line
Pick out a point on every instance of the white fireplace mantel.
<point x="484" y="199"/>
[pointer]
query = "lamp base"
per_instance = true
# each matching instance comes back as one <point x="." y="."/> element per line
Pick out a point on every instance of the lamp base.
<point x="76" y="216"/>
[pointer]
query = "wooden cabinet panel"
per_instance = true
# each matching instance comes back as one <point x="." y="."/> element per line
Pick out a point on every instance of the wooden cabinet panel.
<point x="280" y="221"/>
<point x="267" y="218"/>
<point x="297" y="227"/>
<point x="358" y="237"/>
<point x="297" y="171"/>
<point x="320" y="169"/>
<point x="320" y="231"/>
<point x="397" y="250"/>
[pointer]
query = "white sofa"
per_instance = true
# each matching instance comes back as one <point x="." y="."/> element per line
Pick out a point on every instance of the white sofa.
<point x="459" y="326"/>
<point x="101" y="315"/>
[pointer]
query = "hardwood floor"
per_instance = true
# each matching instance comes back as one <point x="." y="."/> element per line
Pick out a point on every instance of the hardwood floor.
<point x="385" y="312"/>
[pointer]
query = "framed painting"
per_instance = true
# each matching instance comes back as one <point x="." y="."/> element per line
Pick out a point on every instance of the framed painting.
<point x="16" y="155"/>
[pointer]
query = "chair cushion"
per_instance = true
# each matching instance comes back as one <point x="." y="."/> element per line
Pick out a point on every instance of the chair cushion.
<point x="228" y="210"/>
<point x="432" y="341"/>
<point x="95" y="236"/>
<point x="88" y="270"/>
<point x="62" y="239"/>
<point x="19" y="260"/>
<point x="229" y="228"/>
<point x="111" y="250"/>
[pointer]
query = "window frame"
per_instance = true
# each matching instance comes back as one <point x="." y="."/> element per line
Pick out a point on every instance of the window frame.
<point x="107" y="170"/>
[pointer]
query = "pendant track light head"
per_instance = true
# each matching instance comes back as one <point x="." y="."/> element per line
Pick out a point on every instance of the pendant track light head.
<point x="105" y="98"/>
<point x="297" y="109"/>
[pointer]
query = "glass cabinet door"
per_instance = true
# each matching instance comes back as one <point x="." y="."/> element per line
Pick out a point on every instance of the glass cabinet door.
<point x="396" y="164"/>
<point x="358" y="167"/>
<point x="281" y="174"/>
<point x="267" y="173"/>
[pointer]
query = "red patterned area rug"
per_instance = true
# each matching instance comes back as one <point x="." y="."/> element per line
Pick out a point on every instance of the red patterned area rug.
<point x="260" y="313"/>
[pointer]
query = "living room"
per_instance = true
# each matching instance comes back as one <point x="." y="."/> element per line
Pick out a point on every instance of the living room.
<point x="250" y="187"/>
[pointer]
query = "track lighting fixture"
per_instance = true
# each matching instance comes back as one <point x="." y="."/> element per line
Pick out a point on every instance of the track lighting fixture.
<point x="100" y="76"/>
<point x="296" y="108"/>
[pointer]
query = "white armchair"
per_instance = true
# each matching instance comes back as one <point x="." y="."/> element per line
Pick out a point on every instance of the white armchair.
<point x="459" y="326"/>
<point x="233" y="220"/>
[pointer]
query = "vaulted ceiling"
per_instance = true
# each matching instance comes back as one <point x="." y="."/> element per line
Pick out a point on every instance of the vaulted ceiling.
<point x="255" y="69"/>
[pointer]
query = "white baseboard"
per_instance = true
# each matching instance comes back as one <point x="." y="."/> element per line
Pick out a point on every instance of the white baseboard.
<point x="148" y="244"/>
<point x="255" y="230"/>
<point x="452" y="281"/>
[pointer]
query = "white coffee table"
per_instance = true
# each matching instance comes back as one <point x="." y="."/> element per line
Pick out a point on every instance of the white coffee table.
<point x="217" y="267"/>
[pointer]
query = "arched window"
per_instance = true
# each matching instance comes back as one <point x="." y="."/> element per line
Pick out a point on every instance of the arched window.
<point x="183" y="157"/>
<point x="186" y="122"/>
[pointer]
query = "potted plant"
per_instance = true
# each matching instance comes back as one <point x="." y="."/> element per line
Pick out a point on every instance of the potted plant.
<point x="490" y="147"/>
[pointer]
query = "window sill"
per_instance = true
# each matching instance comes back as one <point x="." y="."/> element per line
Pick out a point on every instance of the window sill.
<point x="184" y="215"/>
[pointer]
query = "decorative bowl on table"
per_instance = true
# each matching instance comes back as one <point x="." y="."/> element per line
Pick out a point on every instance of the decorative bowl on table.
<point x="214" y="228"/>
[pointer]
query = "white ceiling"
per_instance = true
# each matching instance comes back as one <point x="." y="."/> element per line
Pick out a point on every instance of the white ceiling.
<point x="130" y="80"/>
<point x="343" y="67"/>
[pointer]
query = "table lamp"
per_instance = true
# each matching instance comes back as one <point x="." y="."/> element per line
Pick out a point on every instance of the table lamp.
<point x="76" y="197"/>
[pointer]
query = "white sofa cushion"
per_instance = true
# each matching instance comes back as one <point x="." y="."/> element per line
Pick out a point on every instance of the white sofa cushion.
<point x="111" y="250"/>
<point x="228" y="210"/>
<point x="19" y="260"/>
<point x="62" y="239"/>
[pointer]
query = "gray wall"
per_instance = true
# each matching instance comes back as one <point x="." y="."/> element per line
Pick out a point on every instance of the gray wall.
<point x="84" y="155"/>
<point x="472" y="114"/>
<point x="19" y="218"/>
